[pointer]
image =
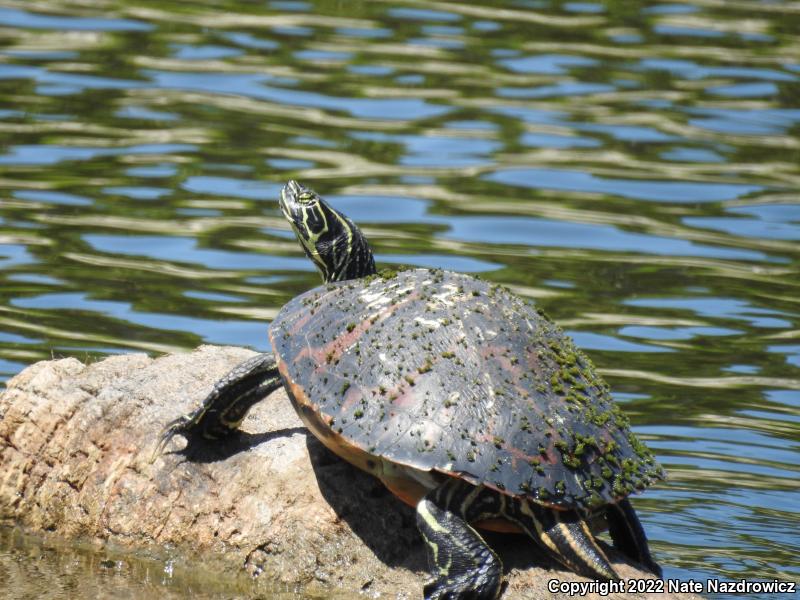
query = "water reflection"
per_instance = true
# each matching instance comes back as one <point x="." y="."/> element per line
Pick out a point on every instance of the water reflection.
<point x="633" y="166"/>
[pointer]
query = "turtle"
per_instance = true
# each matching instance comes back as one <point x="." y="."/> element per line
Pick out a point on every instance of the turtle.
<point x="464" y="399"/>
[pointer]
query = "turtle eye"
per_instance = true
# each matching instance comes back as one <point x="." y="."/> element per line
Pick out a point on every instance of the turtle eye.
<point x="306" y="198"/>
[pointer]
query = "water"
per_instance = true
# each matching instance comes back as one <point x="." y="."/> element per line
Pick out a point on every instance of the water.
<point x="632" y="166"/>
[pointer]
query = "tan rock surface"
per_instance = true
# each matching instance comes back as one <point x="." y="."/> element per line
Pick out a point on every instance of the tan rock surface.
<point x="75" y="448"/>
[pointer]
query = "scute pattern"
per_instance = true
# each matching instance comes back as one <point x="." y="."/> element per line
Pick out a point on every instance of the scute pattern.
<point x="441" y="371"/>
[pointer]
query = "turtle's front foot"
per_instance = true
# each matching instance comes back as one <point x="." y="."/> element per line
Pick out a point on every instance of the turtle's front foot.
<point x="187" y="426"/>
<point x="173" y="428"/>
<point x="227" y="404"/>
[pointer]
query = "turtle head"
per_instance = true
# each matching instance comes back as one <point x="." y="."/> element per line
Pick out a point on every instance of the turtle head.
<point x="331" y="240"/>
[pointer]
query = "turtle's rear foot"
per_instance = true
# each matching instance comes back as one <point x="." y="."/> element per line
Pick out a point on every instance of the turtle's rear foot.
<point x="628" y="535"/>
<point x="462" y="588"/>
<point x="564" y="535"/>
<point x="226" y="406"/>
<point x="570" y="541"/>
<point x="462" y="565"/>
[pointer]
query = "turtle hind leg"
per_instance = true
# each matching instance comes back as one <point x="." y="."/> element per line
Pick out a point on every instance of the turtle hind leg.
<point x="564" y="536"/>
<point x="462" y="565"/>
<point x="628" y="535"/>
<point x="228" y="402"/>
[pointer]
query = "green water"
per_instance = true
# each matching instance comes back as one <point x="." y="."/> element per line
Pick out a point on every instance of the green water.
<point x="633" y="166"/>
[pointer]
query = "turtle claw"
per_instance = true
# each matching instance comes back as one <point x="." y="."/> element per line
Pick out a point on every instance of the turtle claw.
<point x="179" y="426"/>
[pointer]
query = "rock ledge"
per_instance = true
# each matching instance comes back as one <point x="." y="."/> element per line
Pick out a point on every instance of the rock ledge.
<point x="75" y="447"/>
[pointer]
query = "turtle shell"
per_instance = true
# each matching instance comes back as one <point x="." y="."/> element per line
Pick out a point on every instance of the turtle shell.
<point x="443" y="372"/>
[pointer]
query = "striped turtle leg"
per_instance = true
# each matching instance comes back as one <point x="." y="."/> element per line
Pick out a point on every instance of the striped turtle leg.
<point x="564" y="536"/>
<point x="628" y="535"/>
<point x="462" y="565"/>
<point x="226" y="406"/>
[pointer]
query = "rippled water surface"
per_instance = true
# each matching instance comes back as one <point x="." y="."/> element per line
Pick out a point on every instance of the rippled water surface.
<point x="633" y="166"/>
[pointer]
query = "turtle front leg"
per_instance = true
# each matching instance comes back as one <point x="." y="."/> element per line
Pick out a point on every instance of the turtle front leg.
<point x="462" y="565"/>
<point x="226" y="406"/>
<point x="628" y="535"/>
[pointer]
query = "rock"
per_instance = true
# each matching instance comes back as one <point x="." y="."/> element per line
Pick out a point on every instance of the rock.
<point x="76" y="443"/>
